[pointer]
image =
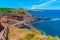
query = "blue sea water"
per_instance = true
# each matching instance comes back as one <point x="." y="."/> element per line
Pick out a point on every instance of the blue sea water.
<point x="49" y="27"/>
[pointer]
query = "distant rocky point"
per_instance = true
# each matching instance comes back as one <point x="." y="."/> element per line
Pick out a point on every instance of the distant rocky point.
<point x="35" y="10"/>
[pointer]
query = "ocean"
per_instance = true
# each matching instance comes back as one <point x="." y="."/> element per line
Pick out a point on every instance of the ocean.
<point x="50" y="27"/>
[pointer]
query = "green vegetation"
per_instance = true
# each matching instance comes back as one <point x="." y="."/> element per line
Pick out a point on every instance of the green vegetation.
<point x="41" y="32"/>
<point x="9" y="9"/>
<point x="56" y="38"/>
<point x="15" y="11"/>
<point x="27" y="36"/>
<point x="49" y="38"/>
<point x="34" y="38"/>
<point x="4" y="9"/>
<point x="21" y="39"/>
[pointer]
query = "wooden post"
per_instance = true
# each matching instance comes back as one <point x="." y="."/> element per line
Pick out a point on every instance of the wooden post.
<point x="1" y="27"/>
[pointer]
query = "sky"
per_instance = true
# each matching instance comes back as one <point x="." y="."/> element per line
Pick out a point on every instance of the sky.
<point x="31" y="4"/>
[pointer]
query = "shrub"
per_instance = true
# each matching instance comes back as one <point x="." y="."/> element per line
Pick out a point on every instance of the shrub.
<point x="56" y="38"/>
<point x="21" y="39"/>
<point x="49" y="38"/>
<point x="28" y="36"/>
<point x="41" y="32"/>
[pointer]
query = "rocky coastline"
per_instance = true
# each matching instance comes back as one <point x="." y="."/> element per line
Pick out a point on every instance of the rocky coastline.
<point x="17" y="20"/>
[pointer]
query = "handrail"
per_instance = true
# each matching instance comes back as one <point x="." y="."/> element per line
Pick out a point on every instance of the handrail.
<point x="3" y="34"/>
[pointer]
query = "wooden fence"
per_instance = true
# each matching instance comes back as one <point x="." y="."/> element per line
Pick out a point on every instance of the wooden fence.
<point x="4" y="33"/>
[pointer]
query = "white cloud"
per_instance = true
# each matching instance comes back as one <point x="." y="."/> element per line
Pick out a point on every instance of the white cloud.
<point x="44" y="4"/>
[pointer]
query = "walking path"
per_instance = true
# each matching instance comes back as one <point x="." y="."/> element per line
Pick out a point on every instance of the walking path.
<point x="25" y="22"/>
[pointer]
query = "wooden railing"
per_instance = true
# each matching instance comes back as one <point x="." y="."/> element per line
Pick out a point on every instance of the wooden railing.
<point x="4" y="33"/>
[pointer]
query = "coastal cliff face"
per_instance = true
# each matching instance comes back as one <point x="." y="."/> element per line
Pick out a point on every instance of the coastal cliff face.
<point x="17" y="14"/>
<point x="24" y="15"/>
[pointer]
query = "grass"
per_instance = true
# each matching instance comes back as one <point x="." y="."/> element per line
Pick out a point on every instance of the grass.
<point x="29" y="34"/>
<point x="9" y="9"/>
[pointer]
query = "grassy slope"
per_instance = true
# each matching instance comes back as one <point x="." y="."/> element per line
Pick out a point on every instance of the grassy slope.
<point x="24" y="34"/>
<point x="20" y="33"/>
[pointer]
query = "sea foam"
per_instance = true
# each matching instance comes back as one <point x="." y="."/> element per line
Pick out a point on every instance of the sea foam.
<point x="55" y="19"/>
